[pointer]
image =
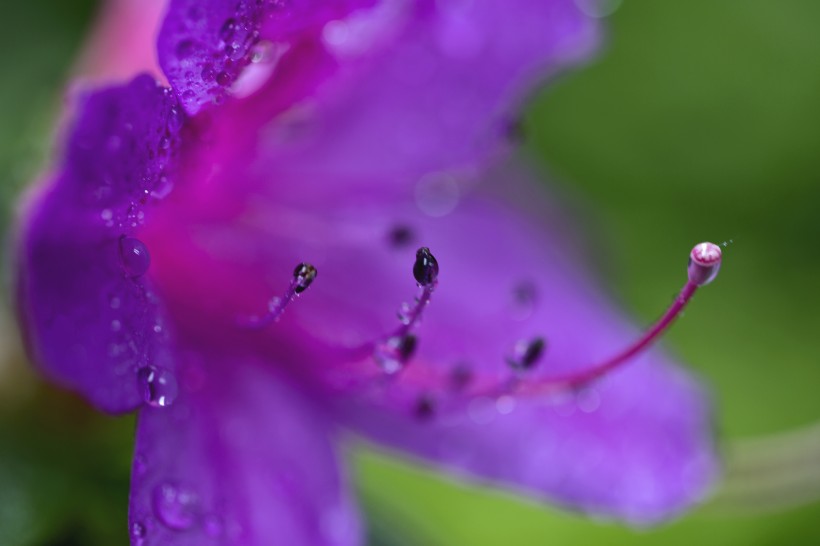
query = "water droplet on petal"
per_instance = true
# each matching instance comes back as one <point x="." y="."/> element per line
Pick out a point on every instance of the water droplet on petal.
<point x="175" y="506"/>
<point x="137" y="530"/>
<point x="135" y="257"/>
<point x="303" y="276"/>
<point x="394" y="353"/>
<point x="158" y="387"/>
<point x="223" y="79"/>
<point x="505" y="404"/>
<point x="437" y="194"/>
<point x="226" y="33"/>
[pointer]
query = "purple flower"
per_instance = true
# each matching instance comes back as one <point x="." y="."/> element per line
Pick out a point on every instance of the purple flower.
<point x="227" y="255"/>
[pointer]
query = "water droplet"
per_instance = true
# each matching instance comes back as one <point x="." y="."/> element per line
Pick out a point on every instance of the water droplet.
<point x="135" y="257"/>
<point x="158" y="387"/>
<point x="262" y="52"/>
<point x="175" y="506"/>
<point x="163" y="188"/>
<point x="505" y="404"/>
<point x="303" y="276"/>
<point x="437" y="194"/>
<point x="394" y="353"/>
<point x="137" y="530"/>
<point x="404" y="313"/>
<point x="223" y="79"/>
<point x="588" y="400"/>
<point x="208" y="74"/>
<point x="107" y="214"/>
<point x="425" y="268"/>
<point x="527" y="354"/>
<point x="226" y="33"/>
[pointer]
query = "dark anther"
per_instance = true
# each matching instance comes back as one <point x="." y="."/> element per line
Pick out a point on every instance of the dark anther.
<point x="303" y="275"/>
<point x="406" y="347"/>
<point x="460" y="376"/>
<point x="524" y="293"/>
<point x="425" y="270"/>
<point x="528" y="353"/>
<point x="425" y="407"/>
<point x="401" y="236"/>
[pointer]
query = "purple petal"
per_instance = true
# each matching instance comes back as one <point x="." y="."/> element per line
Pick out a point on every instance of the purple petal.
<point x="90" y="317"/>
<point x="240" y="458"/>
<point x="426" y="88"/>
<point x="205" y="45"/>
<point x="637" y="445"/>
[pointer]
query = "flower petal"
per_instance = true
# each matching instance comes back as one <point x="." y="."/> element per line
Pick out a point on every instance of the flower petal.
<point x="205" y="44"/>
<point x="240" y="458"/>
<point x="90" y="317"/>
<point x="636" y="445"/>
<point x="426" y="86"/>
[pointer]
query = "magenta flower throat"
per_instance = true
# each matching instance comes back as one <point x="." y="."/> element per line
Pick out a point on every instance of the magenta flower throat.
<point x="227" y="253"/>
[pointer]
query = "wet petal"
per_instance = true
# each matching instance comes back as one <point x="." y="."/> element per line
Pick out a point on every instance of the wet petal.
<point x="241" y="458"/>
<point x="89" y="311"/>
<point x="205" y="45"/>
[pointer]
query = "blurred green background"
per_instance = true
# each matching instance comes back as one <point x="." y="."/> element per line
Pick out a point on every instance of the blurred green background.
<point x="699" y="120"/>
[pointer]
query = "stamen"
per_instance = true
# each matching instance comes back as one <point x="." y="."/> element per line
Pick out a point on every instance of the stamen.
<point x="527" y="354"/>
<point x="398" y="348"/>
<point x="704" y="264"/>
<point x="425" y="270"/>
<point x="393" y="353"/>
<point x="303" y="276"/>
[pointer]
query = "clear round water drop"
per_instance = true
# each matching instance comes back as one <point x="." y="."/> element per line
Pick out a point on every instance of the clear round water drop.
<point x="175" y="506"/>
<point x="158" y="387"/>
<point x="134" y="256"/>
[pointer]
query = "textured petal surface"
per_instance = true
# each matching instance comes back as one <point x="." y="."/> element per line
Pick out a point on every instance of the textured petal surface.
<point x="240" y="459"/>
<point x="205" y="45"/>
<point x="89" y="316"/>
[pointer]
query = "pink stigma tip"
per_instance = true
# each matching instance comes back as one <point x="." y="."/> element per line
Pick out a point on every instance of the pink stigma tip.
<point x="704" y="263"/>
